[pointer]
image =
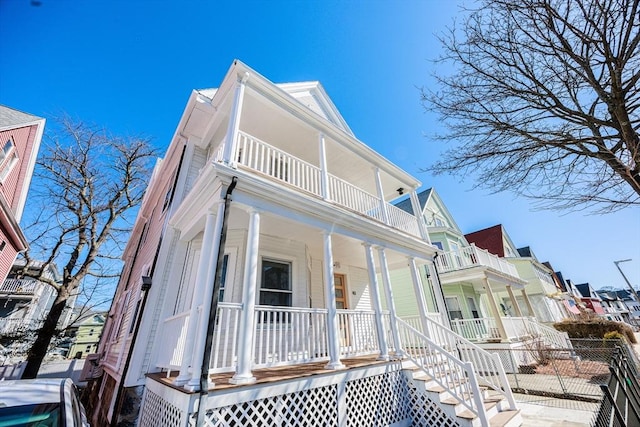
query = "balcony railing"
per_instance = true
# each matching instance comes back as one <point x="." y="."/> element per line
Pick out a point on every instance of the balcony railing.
<point x="283" y="336"/>
<point x="19" y="286"/>
<point x="516" y="328"/>
<point x="472" y="256"/>
<point x="259" y="156"/>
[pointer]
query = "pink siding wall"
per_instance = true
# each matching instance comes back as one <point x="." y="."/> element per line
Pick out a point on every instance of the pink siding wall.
<point x="14" y="185"/>
<point x="7" y="255"/>
<point x="137" y="265"/>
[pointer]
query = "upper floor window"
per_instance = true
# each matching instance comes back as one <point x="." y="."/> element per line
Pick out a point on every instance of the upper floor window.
<point x="8" y="158"/>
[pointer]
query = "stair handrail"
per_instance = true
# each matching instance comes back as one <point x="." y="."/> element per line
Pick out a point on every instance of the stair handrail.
<point x="445" y="369"/>
<point x="488" y="366"/>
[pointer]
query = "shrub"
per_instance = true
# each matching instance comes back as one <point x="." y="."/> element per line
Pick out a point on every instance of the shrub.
<point x="613" y="335"/>
<point x="594" y="328"/>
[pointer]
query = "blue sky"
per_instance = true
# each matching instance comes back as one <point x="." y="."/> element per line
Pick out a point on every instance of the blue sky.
<point x="130" y="66"/>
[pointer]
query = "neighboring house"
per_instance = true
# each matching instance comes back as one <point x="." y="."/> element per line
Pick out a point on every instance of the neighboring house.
<point x="630" y="300"/>
<point x="266" y="194"/>
<point x="20" y="136"/>
<point x="86" y="335"/>
<point x="589" y="298"/>
<point x="614" y="307"/>
<point x="486" y="298"/>
<point x="25" y="302"/>
<point x="544" y="294"/>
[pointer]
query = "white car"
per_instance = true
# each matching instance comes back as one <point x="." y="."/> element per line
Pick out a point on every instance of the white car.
<point x="45" y="402"/>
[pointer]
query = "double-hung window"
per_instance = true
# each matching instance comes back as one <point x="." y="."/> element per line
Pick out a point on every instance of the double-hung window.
<point x="275" y="285"/>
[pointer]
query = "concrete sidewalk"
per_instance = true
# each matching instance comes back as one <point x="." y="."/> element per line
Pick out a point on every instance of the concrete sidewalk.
<point x="540" y="411"/>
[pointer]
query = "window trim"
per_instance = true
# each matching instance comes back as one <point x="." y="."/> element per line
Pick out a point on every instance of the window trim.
<point x="283" y="261"/>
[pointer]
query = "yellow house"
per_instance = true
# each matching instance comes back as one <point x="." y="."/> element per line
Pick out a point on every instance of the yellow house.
<point x="87" y="336"/>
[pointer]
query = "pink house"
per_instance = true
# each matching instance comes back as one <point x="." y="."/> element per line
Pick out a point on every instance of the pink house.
<point x="20" y="136"/>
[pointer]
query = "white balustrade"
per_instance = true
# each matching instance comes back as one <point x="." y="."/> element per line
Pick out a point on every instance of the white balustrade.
<point x="482" y="329"/>
<point x="224" y="354"/>
<point x="262" y="157"/>
<point x="174" y="333"/>
<point x="18" y="286"/>
<point x="473" y="256"/>
<point x="289" y="335"/>
<point x="357" y="333"/>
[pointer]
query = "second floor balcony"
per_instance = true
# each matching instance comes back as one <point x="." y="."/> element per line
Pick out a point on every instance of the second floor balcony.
<point x="16" y="287"/>
<point x="472" y="256"/>
<point x="257" y="156"/>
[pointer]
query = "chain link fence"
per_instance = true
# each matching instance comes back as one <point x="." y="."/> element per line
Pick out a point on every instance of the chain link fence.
<point x="575" y="372"/>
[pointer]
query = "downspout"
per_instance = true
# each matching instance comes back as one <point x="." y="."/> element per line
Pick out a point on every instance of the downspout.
<point x="213" y="311"/>
<point x="444" y="300"/>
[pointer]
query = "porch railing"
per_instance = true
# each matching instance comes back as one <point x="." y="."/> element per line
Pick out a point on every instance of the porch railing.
<point x="487" y="366"/>
<point x="288" y="335"/>
<point x="516" y="328"/>
<point x="357" y="333"/>
<point x="471" y="256"/>
<point x="451" y="373"/>
<point x="262" y="157"/>
<point x="19" y="286"/>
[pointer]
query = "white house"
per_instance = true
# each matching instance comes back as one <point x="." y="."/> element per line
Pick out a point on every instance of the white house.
<point x="253" y="286"/>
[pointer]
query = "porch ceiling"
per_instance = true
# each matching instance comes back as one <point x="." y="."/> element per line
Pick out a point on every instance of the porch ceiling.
<point x="346" y="250"/>
<point x="277" y="127"/>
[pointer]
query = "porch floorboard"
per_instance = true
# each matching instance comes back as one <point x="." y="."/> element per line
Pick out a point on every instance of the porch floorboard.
<point x="268" y="375"/>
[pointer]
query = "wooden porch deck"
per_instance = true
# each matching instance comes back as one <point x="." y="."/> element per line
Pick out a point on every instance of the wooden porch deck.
<point x="275" y="374"/>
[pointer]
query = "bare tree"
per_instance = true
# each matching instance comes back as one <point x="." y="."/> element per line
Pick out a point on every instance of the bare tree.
<point x="542" y="99"/>
<point x="85" y="184"/>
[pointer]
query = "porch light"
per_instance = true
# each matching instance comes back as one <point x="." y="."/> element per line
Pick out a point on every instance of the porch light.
<point x="400" y="191"/>
<point x="146" y="283"/>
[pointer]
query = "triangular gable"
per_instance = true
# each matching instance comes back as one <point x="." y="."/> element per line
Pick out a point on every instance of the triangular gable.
<point x="313" y="96"/>
<point x="433" y="207"/>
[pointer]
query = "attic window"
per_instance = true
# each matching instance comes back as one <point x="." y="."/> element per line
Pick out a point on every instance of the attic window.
<point x="8" y="158"/>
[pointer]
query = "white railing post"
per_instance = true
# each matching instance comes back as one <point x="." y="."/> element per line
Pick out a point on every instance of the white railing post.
<point x="333" y="328"/>
<point x="477" y="394"/>
<point x="504" y="381"/>
<point x="377" y="304"/>
<point x="391" y="305"/>
<point x="247" y="328"/>
<point x="324" y="173"/>
<point x="418" y="290"/>
<point x="383" y="205"/>
<point x="234" y="121"/>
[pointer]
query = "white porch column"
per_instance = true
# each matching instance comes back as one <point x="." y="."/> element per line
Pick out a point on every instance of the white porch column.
<point x="441" y="306"/>
<point x="386" y="281"/>
<point x="197" y="306"/>
<point x="417" y="212"/>
<point x="231" y="140"/>
<point x="377" y="304"/>
<point x="333" y="328"/>
<point x="243" y="373"/>
<point x="418" y="289"/>
<point x="527" y="301"/>
<point x="210" y="260"/>
<point x="383" y="205"/>
<point x="324" y="173"/>
<point x="514" y="302"/>
<point x="494" y="310"/>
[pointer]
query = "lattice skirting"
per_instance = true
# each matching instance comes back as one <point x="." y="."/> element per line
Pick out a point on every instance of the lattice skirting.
<point x="345" y="398"/>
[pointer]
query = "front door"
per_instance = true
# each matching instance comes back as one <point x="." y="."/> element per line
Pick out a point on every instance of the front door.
<point x="340" y="284"/>
<point x="341" y="291"/>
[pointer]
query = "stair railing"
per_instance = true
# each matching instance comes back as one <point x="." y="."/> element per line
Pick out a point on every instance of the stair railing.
<point x="488" y="366"/>
<point x="458" y="378"/>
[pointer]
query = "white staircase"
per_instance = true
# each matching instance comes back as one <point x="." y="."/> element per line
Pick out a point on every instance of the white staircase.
<point x="468" y="383"/>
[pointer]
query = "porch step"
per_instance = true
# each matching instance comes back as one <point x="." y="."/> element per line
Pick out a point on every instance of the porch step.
<point x="496" y="407"/>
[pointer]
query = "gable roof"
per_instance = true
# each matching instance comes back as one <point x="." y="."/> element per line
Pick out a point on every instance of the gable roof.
<point x="430" y="197"/>
<point x="489" y="239"/>
<point x="11" y="118"/>
<point x="310" y="94"/>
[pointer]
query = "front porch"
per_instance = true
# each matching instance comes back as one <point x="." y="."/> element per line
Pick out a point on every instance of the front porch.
<point x="517" y="329"/>
<point x="283" y="336"/>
